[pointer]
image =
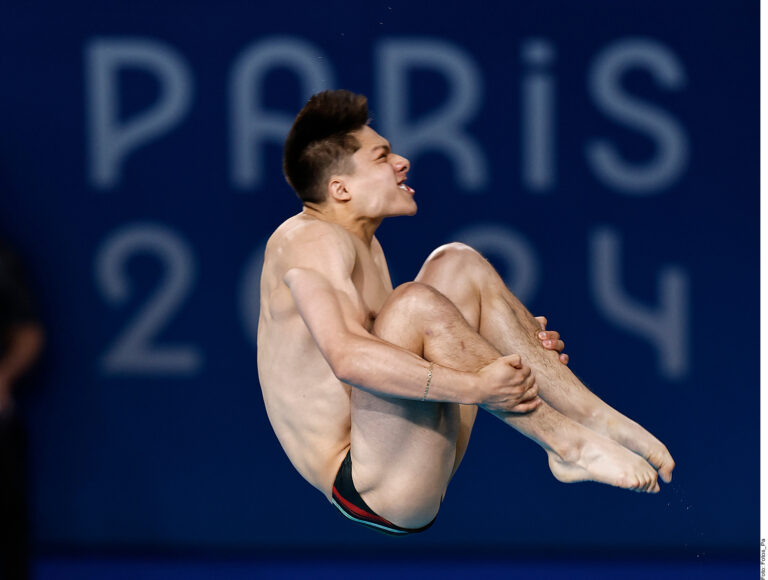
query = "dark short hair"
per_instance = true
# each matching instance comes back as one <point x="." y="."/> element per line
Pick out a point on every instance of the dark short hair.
<point x="320" y="143"/>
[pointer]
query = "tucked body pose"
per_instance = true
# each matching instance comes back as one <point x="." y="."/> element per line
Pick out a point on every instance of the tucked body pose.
<point x="373" y="391"/>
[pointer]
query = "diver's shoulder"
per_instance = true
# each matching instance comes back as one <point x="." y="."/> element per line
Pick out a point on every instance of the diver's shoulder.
<point x="303" y="227"/>
<point x="312" y="234"/>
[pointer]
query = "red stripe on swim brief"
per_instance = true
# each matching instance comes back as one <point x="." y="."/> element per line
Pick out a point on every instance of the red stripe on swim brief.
<point x="361" y="513"/>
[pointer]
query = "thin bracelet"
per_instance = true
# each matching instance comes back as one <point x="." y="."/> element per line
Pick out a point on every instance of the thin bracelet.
<point x="429" y="381"/>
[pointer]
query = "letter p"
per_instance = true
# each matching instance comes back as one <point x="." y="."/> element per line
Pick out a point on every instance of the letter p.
<point x="111" y="139"/>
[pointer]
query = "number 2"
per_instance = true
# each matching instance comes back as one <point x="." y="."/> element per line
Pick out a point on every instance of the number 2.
<point x="135" y="350"/>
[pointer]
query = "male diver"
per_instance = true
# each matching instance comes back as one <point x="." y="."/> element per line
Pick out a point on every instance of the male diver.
<point x="373" y="391"/>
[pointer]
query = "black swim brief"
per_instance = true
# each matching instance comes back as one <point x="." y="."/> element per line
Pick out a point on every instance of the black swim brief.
<point x="352" y="506"/>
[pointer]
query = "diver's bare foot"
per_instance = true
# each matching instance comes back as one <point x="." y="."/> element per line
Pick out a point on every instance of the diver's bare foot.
<point x="632" y="436"/>
<point x="629" y="434"/>
<point x="596" y="458"/>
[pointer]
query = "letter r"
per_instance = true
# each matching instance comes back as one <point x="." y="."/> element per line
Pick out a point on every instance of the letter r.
<point x="440" y="129"/>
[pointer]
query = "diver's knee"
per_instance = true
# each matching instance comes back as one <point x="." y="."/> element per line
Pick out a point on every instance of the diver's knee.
<point x="412" y="297"/>
<point x="454" y="253"/>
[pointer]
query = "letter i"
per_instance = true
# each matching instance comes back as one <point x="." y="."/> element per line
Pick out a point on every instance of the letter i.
<point x="538" y="94"/>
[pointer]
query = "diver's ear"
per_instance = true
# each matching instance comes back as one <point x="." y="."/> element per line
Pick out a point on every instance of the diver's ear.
<point x="337" y="189"/>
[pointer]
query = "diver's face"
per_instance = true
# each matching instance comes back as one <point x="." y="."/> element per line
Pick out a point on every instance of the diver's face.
<point x="376" y="184"/>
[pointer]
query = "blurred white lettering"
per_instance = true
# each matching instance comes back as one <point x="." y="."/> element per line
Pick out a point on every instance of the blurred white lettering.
<point x="110" y="139"/>
<point x="519" y="264"/>
<point x="666" y="326"/>
<point x="442" y="129"/>
<point x="538" y="98"/>
<point x="250" y="125"/>
<point x="133" y="351"/>
<point x="670" y="138"/>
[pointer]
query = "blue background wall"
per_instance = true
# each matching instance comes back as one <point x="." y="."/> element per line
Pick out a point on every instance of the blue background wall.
<point x="604" y="155"/>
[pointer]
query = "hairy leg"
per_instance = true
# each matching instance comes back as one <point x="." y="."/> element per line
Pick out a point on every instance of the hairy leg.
<point x="471" y="283"/>
<point x="404" y="451"/>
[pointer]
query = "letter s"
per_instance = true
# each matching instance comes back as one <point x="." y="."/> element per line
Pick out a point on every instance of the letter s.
<point x="670" y="138"/>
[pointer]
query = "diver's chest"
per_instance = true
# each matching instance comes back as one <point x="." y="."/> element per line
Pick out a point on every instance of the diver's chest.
<point x="373" y="288"/>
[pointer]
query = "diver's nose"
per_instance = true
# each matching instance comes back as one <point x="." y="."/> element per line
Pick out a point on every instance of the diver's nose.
<point x="402" y="165"/>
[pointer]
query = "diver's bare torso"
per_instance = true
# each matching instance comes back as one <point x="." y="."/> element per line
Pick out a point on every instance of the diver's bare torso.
<point x="308" y="407"/>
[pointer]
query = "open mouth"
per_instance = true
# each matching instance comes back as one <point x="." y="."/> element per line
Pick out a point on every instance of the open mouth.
<point x="404" y="187"/>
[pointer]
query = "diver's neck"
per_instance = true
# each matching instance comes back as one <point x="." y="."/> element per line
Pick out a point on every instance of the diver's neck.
<point x="362" y="228"/>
